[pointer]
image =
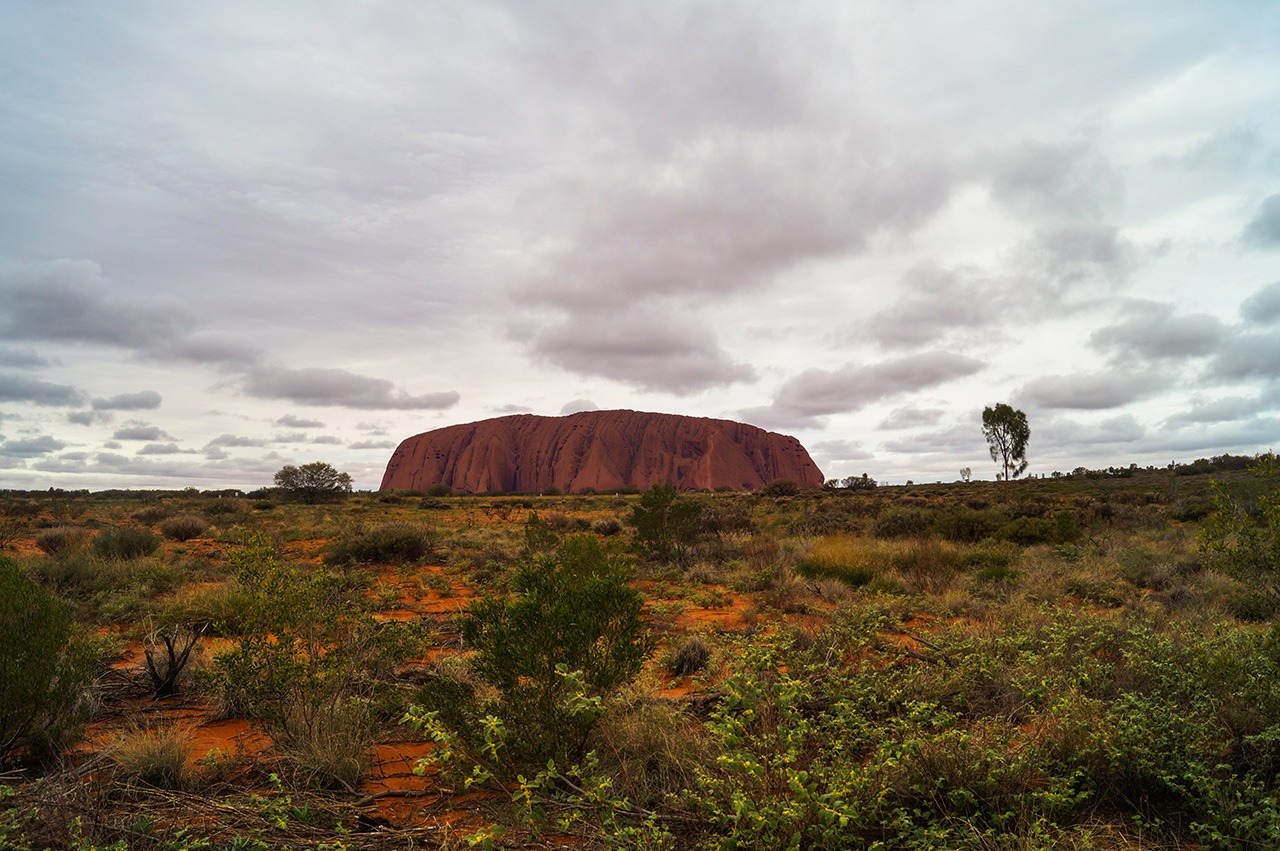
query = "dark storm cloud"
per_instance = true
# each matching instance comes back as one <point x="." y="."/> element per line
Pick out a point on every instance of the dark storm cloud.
<point x="19" y="388"/>
<point x="30" y="447"/>
<point x="1263" y="307"/>
<point x="295" y="421"/>
<point x="911" y="417"/>
<point x="804" y="398"/>
<point x="1092" y="391"/>
<point x="1153" y="332"/>
<point x="644" y="350"/>
<point x="139" y="431"/>
<point x="21" y="358"/>
<point x="338" y="387"/>
<point x="1263" y="229"/>
<point x="143" y="400"/>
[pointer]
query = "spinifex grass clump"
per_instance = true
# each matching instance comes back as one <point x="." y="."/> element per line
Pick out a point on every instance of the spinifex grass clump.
<point x="855" y="561"/>
<point x="124" y="543"/>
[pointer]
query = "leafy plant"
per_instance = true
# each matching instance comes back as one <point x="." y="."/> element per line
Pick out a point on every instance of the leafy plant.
<point x="45" y="670"/>
<point x="1243" y="541"/>
<point x="666" y="525"/>
<point x="572" y="612"/>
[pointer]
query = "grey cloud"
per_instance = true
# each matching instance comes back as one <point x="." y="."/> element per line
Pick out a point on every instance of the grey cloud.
<point x="31" y="446"/>
<point x="338" y="387"/>
<point x="21" y="358"/>
<point x="1069" y="179"/>
<point x="68" y="301"/>
<point x="19" y="388"/>
<point x="234" y="440"/>
<point x="814" y="393"/>
<point x="955" y="440"/>
<point x="164" y="449"/>
<point x="295" y="421"/>
<point x="143" y="400"/>
<point x="1263" y="230"/>
<point x="1051" y="270"/>
<point x="1248" y="355"/>
<point x="911" y="417"/>
<point x="215" y="454"/>
<point x="650" y="351"/>
<point x="512" y="409"/>
<point x="373" y="444"/>
<point x="291" y="437"/>
<point x="1092" y="391"/>
<point x="935" y="300"/>
<point x="1154" y="332"/>
<point x="577" y="405"/>
<point x="838" y="451"/>
<point x="1224" y="409"/>
<point x="110" y="444"/>
<point x="88" y="417"/>
<point x="328" y="439"/>
<point x="1263" y="307"/>
<point x="1061" y="432"/>
<point x="139" y="431"/>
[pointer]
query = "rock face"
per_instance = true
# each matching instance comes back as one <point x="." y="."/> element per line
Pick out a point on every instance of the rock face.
<point x="601" y="450"/>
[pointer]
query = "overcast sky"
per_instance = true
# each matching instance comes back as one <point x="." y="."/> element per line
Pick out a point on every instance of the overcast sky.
<point x="237" y="235"/>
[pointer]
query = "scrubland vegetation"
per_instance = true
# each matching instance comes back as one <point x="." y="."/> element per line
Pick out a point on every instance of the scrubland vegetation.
<point x="1085" y="662"/>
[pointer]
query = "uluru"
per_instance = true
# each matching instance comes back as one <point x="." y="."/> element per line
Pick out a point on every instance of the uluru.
<point x="600" y="451"/>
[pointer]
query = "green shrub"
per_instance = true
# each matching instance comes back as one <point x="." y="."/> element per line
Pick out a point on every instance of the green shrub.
<point x="439" y="490"/>
<point x="124" y="542"/>
<point x="390" y="543"/>
<point x="62" y="540"/>
<point x="1028" y="531"/>
<point x="903" y="522"/>
<point x="44" y="669"/>
<point x="969" y="525"/>
<point x="310" y="655"/>
<point x="574" y="623"/>
<point x="1242" y="535"/>
<point x="184" y="527"/>
<point x="666" y="524"/>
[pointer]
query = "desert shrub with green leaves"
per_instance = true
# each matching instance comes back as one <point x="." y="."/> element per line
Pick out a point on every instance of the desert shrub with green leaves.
<point x="387" y="543"/>
<point x="570" y="631"/>
<point x="311" y="663"/>
<point x="45" y="669"/>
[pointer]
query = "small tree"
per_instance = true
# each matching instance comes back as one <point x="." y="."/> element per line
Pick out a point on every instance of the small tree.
<point x="1007" y="433"/>
<point x="314" y="482"/>
<point x="666" y="525"/>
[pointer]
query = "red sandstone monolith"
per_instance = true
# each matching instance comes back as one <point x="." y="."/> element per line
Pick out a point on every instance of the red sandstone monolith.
<point x="598" y="450"/>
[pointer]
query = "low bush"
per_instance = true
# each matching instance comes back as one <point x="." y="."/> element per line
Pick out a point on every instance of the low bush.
<point x="151" y="514"/>
<point x="184" y="527"/>
<point x="62" y="540"/>
<point x="903" y="522"/>
<point x="124" y="542"/>
<point x="390" y="543"/>
<point x="851" y="560"/>
<point x="45" y="670"/>
<point x="607" y="526"/>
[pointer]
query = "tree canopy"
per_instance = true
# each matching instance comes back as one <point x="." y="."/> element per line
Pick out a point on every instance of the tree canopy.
<point x="1007" y="434"/>
<point x="314" y="482"/>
